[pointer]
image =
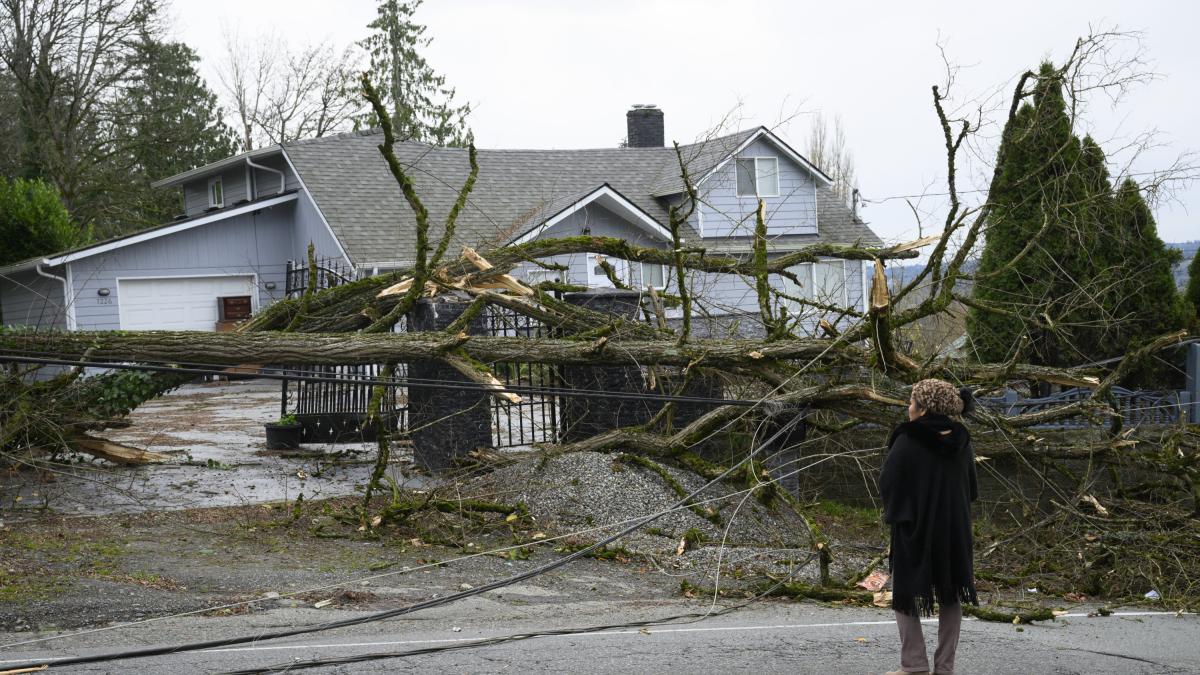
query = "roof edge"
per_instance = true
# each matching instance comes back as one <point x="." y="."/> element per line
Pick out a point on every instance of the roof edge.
<point x="762" y="132"/>
<point x="602" y="190"/>
<point x="217" y="165"/>
<point x="71" y="255"/>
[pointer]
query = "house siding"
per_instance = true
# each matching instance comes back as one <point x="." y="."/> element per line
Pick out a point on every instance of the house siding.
<point x="256" y="243"/>
<point x="600" y="222"/>
<point x="724" y="214"/>
<point x="715" y="294"/>
<point x="726" y="294"/>
<point x="233" y="184"/>
<point x="29" y="299"/>
<point x="310" y="227"/>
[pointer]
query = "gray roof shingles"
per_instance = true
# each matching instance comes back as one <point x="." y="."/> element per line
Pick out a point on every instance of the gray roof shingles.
<point x="515" y="191"/>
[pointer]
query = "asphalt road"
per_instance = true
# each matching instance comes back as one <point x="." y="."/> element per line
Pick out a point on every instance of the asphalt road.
<point x="773" y="637"/>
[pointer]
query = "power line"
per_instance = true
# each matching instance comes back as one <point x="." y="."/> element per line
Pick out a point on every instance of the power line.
<point x="426" y="604"/>
<point x="880" y="200"/>
<point x="284" y="375"/>
<point x="379" y="656"/>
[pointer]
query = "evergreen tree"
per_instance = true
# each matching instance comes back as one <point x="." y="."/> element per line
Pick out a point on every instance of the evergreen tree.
<point x="1090" y="318"/>
<point x="1192" y="293"/>
<point x="1150" y="302"/>
<point x="421" y="105"/>
<point x="33" y="220"/>
<point x="171" y="123"/>
<point x="1039" y="183"/>
<point x="1098" y="280"/>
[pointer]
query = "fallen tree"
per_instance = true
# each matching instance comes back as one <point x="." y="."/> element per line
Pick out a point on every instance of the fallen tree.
<point x="854" y="372"/>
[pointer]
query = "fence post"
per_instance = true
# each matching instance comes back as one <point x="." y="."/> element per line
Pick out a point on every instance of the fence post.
<point x="1192" y="394"/>
<point x="585" y="417"/>
<point x="582" y="418"/>
<point x="1010" y="402"/>
<point x="444" y="423"/>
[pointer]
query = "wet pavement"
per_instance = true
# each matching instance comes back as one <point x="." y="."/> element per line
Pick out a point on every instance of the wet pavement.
<point x="213" y="432"/>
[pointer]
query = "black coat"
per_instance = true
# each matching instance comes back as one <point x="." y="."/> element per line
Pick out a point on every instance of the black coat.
<point x="928" y="483"/>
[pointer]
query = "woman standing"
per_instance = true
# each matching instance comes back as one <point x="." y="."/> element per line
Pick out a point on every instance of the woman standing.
<point x="927" y="484"/>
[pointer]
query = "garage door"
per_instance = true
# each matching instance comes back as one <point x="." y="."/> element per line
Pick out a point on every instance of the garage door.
<point x="177" y="303"/>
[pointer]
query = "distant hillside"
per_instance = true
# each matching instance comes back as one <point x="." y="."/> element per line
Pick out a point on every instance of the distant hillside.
<point x="898" y="274"/>
<point x="1189" y="249"/>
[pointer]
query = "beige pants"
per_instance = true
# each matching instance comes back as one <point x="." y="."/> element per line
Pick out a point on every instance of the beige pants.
<point x="912" y="642"/>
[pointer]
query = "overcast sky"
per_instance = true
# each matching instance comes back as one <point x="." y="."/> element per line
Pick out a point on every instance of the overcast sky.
<point x="561" y="74"/>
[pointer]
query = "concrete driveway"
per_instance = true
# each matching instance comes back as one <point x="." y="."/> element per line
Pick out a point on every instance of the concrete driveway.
<point x="213" y="432"/>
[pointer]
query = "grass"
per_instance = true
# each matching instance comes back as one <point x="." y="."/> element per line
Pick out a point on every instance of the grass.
<point x="845" y="514"/>
<point x="38" y="566"/>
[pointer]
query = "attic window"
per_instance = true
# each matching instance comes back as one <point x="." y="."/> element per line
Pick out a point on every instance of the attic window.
<point x="216" y="194"/>
<point x="758" y="177"/>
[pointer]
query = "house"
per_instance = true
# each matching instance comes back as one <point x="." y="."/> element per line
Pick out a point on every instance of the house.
<point x="247" y="216"/>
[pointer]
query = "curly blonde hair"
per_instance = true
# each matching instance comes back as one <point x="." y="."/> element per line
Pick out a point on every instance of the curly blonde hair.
<point x="938" y="397"/>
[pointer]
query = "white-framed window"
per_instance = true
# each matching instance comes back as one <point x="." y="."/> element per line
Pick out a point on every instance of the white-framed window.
<point x="829" y="282"/>
<point x="823" y="282"/>
<point x="654" y="274"/>
<point x="537" y="275"/>
<point x="216" y="194"/>
<point x="596" y="276"/>
<point x="758" y="177"/>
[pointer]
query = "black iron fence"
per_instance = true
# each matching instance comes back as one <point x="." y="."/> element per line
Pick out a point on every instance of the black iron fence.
<point x="535" y="419"/>
<point x="331" y="272"/>
<point x="336" y="407"/>
<point x="337" y="411"/>
<point x="1137" y="408"/>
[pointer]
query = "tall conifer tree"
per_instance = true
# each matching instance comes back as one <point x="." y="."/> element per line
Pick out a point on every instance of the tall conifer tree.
<point x="167" y="106"/>
<point x="1038" y="185"/>
<point x="1151" y="304"/>
<point x="421" y="104"/>
<point x="1096" y="278"/>
<point x="1192" y="291"/>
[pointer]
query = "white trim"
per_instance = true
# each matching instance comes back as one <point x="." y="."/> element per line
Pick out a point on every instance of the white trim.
<point x="867" y="290"/>
<point x="216" y="180"/>
<point x="164" y="231"/>
<point x="816" y="210"/>
<point x="700" y="218"/>
<point x="72" y="322"/>
<point x="312" y="200"/>
<point x="757" y="194"/>
<point x="66" y="292"/>
<point x="666" y="278"/>
<point x="622" y="268"/>
<point x="253" y="282"/>
<point x="607" y="193"/>
<point x="219" y="165"/>
<point x="763" y="132"/>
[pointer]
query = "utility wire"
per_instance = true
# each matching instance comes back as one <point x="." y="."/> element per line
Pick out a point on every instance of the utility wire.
<point x="408" y="609"/>
<point x="283" y="374"/>
<point x="689" y="617"/>
<point x="418" y="568"/>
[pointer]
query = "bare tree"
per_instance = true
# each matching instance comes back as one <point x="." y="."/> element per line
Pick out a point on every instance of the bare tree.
<point x="827" y="149"/>
<point x="280" y="94"/>
<point x="66" y="61"/>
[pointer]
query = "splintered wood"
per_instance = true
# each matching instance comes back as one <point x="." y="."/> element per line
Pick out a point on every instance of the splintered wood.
<point x="115" y="452"/>
<point x="503" y="282"/>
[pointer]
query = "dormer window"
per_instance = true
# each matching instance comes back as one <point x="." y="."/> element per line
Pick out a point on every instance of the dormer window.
<point x="216" y="195"/>
<point x="758" y="177"/>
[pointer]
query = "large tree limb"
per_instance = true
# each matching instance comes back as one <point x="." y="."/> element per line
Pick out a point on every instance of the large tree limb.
<point x="359" y="348"/>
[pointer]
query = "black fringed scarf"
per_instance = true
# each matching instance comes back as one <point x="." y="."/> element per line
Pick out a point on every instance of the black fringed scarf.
<point x="928" y="483"/>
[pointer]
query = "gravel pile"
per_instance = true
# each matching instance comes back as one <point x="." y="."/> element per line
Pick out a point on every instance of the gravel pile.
<point x="583" y="490"/>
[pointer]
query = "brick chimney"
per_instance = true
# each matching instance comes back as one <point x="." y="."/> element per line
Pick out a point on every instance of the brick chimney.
<point x="645" y="126"/>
